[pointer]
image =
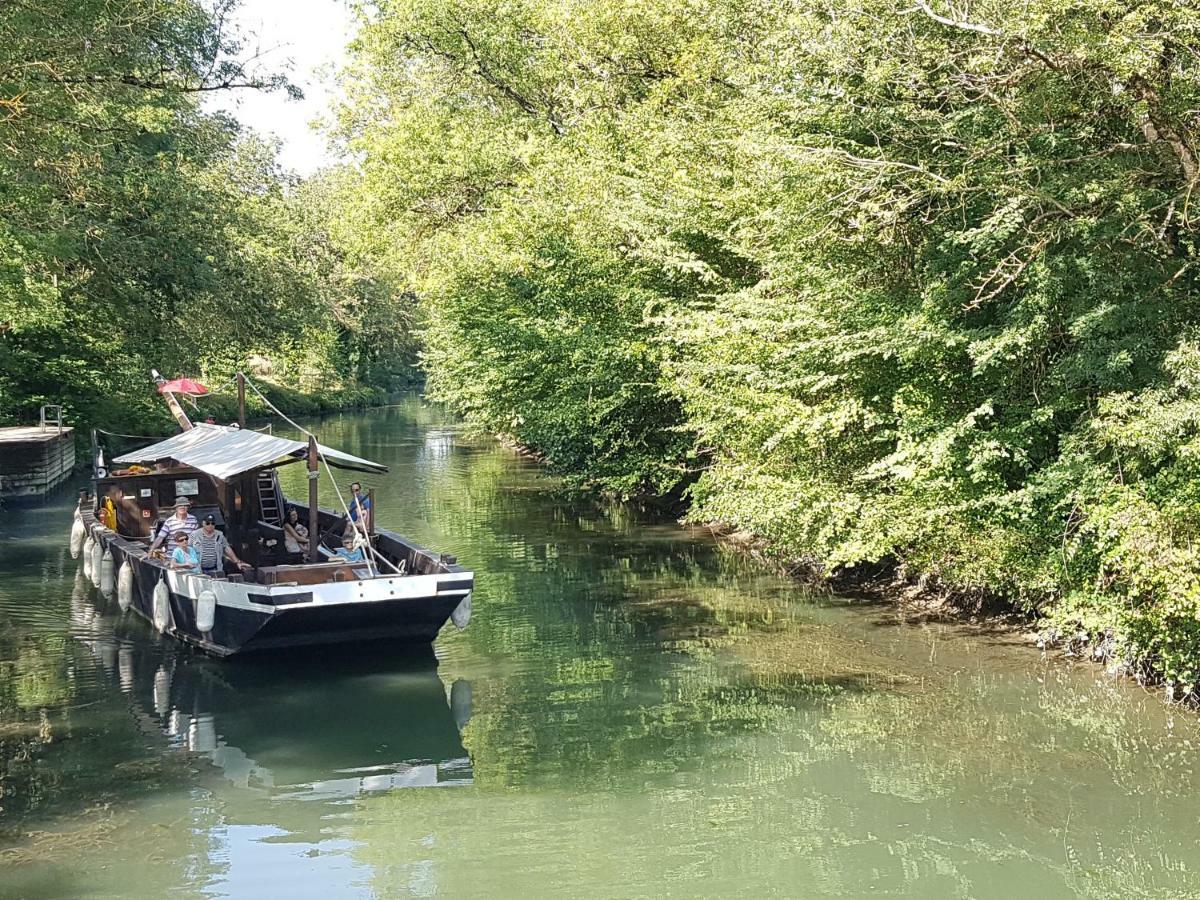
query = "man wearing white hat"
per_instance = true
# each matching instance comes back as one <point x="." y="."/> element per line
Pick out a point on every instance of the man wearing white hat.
<point x="182" y="521"/>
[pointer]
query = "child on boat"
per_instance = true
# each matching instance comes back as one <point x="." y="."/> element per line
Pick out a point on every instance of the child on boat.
<point x="183" y="557"/>
<point x="348" y="551"/>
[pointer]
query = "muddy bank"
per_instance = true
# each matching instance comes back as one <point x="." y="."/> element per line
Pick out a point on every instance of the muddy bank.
<point x="922" y="595"/>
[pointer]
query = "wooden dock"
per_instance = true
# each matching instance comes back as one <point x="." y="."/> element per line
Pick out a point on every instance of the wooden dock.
<point x="34" y="460"/>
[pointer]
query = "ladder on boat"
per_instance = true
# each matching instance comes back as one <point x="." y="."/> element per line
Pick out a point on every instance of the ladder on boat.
<point x="268" y="498"/>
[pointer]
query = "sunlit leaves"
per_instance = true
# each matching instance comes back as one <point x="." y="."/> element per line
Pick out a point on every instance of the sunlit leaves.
<point x="137" y="231"/>
<point x="909" y="283"/>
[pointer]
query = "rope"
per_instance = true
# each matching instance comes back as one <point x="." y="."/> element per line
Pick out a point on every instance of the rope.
<point x="223" y="387"/>
<point x="360" y="539"/>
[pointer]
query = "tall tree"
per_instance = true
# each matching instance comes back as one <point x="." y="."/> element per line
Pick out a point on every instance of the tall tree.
<point x="136" y="229"/>
<point x="894" y="283"/>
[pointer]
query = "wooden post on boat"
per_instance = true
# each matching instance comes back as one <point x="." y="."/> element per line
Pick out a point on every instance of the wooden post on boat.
<point x="314" y="533"/>
<point x="95" y="453"/>
<point x="185" y="424"/>
<point x="370" y="516"/>
<point x="241" y="386"/>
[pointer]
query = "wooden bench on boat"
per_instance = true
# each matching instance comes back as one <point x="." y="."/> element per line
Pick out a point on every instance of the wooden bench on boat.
<point x="312" y="573"/>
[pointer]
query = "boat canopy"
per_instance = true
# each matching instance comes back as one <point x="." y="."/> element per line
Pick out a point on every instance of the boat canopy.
<point x="223" y="452"/>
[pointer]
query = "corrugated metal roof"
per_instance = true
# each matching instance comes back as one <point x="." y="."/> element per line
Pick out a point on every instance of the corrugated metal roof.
<point x="222" y="452"/>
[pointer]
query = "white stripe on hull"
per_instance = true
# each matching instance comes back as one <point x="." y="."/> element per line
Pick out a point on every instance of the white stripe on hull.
<point x="236" y="594"/>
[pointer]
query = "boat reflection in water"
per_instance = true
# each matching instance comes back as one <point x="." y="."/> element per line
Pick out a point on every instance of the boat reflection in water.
<point x="292" y="727"/>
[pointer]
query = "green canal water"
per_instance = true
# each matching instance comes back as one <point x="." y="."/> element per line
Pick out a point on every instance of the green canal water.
<point x="635" y="711"/>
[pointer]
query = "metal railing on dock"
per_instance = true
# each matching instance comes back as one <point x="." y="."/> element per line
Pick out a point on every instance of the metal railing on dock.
<point x="44" y="417"/>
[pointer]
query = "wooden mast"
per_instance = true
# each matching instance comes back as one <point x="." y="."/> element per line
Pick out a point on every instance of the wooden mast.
<point x="314" y="533"/>
<point x="241" y="386"/>
<point x="185" y="424"/>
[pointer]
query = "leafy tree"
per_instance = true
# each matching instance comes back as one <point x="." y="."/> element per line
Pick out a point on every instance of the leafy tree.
<point x="894" y="284"/>
<point x="136" y="230"/>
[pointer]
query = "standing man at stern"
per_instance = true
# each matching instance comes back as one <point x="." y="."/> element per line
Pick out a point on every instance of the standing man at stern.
<point x="360" y="511"/>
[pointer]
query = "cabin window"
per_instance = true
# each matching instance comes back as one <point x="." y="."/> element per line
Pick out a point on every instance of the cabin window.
<point x="187" y="487"/>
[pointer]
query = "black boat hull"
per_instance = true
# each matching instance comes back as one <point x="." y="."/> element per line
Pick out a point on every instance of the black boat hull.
<point x="249" y="618"/>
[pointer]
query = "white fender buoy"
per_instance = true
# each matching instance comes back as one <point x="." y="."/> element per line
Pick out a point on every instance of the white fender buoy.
<point x="206" y="611"/>
<point x="81" y="605"/>
<point x="202" y="734"/>
<point x="97" y="556"/>
<point x="78" y="533"/>
<point x="462" y="613"/>
<point x="162" y="607"/>
<point x="89" y="547"/>
<point x="107" y="576"/>
<point x="125" y="586"/>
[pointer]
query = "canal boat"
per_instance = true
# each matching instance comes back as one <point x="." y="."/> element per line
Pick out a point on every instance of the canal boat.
<point x="397" y="591"/>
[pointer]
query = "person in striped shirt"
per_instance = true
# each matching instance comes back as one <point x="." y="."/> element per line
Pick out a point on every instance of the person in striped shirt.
<point x="182" y="521"/>
<point x="214" y="549"/>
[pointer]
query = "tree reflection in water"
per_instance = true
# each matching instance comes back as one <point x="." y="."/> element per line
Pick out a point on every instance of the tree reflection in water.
<point x="634" y="711"/>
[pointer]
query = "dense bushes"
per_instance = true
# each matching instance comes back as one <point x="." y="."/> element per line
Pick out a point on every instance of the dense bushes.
<point x="878" y="283"/>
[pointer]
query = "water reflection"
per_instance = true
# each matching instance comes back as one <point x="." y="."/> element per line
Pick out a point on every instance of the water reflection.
<point x="634" y="711"/>
<point x="292" y="727"/>
<point x="124" y="752"/>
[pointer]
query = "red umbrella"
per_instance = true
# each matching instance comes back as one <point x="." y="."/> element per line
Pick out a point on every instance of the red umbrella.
<point x="183" y="386"/>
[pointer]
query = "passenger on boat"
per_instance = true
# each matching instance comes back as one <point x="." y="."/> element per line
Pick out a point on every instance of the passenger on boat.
<point x="183" y="557"/>
<point x="182" y="521"/>
<point x="295" y="535"/>
<point x="214" y="549"/>
<point x="348" y="551"/>
<point x="360" y="511"/>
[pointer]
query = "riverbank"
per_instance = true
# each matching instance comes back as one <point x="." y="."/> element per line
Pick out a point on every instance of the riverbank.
<point x="154" y="418"/>
<point x="924" y="596"/>
<point x="918" y="594"/>
<point x="294" y="402"/>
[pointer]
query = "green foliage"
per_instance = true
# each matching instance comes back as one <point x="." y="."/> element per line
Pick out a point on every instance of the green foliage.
<point x="136" y="230"/>
<point x="892" y="283"/>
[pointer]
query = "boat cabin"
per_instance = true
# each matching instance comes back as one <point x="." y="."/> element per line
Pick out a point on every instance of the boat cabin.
<point x="231" y="473"/>
<point x="247" y="508"/>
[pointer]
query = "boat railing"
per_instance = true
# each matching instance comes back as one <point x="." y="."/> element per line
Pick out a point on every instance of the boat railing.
<point x="47" y="417"/>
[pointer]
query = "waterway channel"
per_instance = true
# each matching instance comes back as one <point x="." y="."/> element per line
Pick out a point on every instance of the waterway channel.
<point x="635" y="711"/>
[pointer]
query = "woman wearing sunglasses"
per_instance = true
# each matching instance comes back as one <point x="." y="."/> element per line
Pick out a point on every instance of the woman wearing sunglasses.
<point x="184" y="558"/>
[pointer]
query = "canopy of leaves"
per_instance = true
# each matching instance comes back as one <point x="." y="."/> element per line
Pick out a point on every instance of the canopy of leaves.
<point x="136" y="230"/>
<point x="878" y="283"/>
